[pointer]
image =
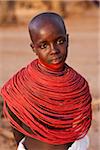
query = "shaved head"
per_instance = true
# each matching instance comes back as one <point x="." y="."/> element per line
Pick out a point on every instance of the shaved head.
<point x="49" y="40"/>
<point x="45" y="19"/>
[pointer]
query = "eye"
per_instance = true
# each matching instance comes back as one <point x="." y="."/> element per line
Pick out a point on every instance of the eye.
<point x="43" y="46"/>
<point x="61" y="41"/>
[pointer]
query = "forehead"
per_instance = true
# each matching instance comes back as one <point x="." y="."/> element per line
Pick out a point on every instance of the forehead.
<point x="49" y="26"/>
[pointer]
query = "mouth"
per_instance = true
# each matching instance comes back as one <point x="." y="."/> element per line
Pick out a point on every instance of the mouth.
<point x="56" y="60"/>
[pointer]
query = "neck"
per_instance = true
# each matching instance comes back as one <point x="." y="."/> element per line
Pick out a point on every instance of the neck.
<point x="52" y="70"/>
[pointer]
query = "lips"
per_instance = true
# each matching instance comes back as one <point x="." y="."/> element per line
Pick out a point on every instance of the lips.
<point x="56" y="60"/>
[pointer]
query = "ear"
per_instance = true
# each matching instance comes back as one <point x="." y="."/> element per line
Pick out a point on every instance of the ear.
<point x="33" y="47"/>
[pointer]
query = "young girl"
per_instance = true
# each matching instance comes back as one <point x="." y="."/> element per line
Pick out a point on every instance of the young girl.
<point x="48" y="103"/>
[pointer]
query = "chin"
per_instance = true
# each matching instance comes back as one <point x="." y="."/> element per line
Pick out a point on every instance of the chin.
<point x="56" y="67"/>
<point x="53" y="66"/>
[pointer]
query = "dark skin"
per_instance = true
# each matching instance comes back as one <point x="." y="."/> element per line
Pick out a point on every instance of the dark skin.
<point x="50" y="44"/>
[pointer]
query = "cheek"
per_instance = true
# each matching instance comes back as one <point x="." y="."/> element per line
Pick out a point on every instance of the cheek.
<point x="64" y="50"/>
<point x="64" y="53"/>
<point x="43" y="56"/>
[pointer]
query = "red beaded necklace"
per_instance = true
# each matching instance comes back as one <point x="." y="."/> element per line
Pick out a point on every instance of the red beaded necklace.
<point x="55" y="106"/>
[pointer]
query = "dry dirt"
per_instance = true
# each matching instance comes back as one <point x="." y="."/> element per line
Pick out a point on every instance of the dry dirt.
<point x="15" y="52"/>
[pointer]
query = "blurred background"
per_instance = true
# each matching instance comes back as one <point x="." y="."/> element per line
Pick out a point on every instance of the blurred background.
<point x="82" y="22"/>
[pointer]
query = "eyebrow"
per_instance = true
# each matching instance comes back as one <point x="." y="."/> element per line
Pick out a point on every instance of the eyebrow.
<point x="41" y="42"/>
<point x="44" y="41"/>
<point x="60" y="37"/>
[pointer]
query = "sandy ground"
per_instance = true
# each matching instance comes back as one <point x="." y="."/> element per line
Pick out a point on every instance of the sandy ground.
<point x="15" y="52"/>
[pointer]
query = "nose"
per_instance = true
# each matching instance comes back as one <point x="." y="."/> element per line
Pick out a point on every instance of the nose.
<point x="53" y="49"/>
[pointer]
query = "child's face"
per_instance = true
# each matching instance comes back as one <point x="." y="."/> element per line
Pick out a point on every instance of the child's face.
<point x="50" y="45"/>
